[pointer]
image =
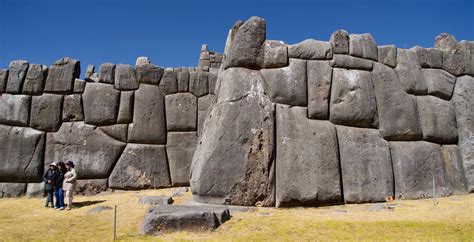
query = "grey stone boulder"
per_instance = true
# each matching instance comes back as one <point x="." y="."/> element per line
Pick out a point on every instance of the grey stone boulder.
<point x="288" y="85"/>
<point x="178" y="191"/>
<point x="35" y="190"/>
<point x="199" y="83"/>
<point x="116" y="131"/>
<point x="107" y="73"/>
<point x="438" y="120"/>
<point x="310" y="49"/>
<point x="169" y="82"/>
<point x="387" y="55"/>
<point x="212" y="79"/>
<point x="429" y="57"/>
<point x="91" y="187"/>
<point x="203" y="110"/>
<point x="94" y="153"/>
<point x="160" y="219"/>
<point x="72" y="108"/>
<point x="409" y="72"/>
<point x="340" y="42"/>
<point x="366" y="166"/>
<point x="141" y="166"/>
<point x="156" y="200"/>
<point x="12" y="189"/>
<point x="17" y="71"/>
<point x="458" y="61"/>
<point x="182" y="77"/>
<point x="351" y="62"/>
<point x="101" y="104"/>
<point x="46" y="112"/>
<point x="15" y="109"/>
<point x="149" y="122"/>
<point x="276" y="54"/>
<point x="141" y="61"/>
<point x="319" y="74"/>
<point x="21" y="154"/>
<point x="181" y="112"/>
<point x="61" y="76"/>
<point x="246" y="44"/>
<point x="34" y="80"/>
<point x="3" y="80"/>
<point x="415" y="165"/>
<point x="397" y="111"/>
<point x="125" y="78"/>
<point x="463" y="101"/>
<point x="149" y="73"/>
<point x="440" y="83"/>
<point x="363" y="45"/>
<point x="233" y="162"/>
<point x="90" y="70"/>
<point x="180" y="148"/>
<point x="125" y="113"/>
<point x="307" y="164"/>
<point x="79" y="86"/>
<point x="352" y="99"/>
<point x="454" y="169"/>
<point x="445" y="41"/>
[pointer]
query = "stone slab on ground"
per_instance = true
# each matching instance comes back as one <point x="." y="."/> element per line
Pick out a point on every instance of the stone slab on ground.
<point x="156" y="200"/>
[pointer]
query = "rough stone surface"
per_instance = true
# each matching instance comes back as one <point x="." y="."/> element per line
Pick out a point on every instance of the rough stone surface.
<point x="212" y="79"/>
<point x="307" y="164"/>
<point x="101" y="104"/>
<point x="276" y="54"/>
<point x="91" y="187"/>
<point x="181" y="112"/>
<point x="3" y="79"/>
<point x="142" y="60"/>
<point x="46" y="112"/>
<point x="12" y="189"/>
<point x="94" y="153"/>
<point x="409" y="72"/>
<point x="169" y="82"/>
<point x="415" y="165"/>
<point x="17" y="70"/>
<point x="456" y="61"/>
<point x="141" y="166"/>
<point x="21" y="154"/>
<point x="117" y="131"/>
<point x="438" y="120"/>
<point x="156" y="200"/>
<point x="149" y="74"/>
<point x="107" y="73"/>
<point x="61" y="76"/>
<point x="182" y="77"/>
<point x="35" y="190"/>
<point x="199" y="83"/>
<point x="125" y="113"/>
<point x="72" y="108"/>
<point x="440" y="83"/>
<point x="246" y="44"/>
<point x="233" y="162"/>
<point x="203" y="110"/>
<point x="352" y="99"/>
<point x="463" y="101"/>
<point x="454" y="169"/>
<point x="351" y="62"/>
<point x="319" y="85"/>
<point x="387" y="54"/>
<point x="79" y="86"/>
<point x="340" y="42"/>
<point x="310" y="49"/>
<point x="445" y="41"/>
<point x="34" y="80"/>
<point x="89" y="71"/>
<point x="363" y="45"/>
<point x="149" y="122"/>
<point x="397" y="111"/>
<point x="366" y="166"/>
<point x="287" y="85"/>
<point x="180" y="149"/>
<point x="125" y="78"/>
<point x="15" y="109"/>
<point x="429" y="58"/>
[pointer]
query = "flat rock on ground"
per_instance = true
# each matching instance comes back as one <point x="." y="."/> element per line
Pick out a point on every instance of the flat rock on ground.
<point x="156" y="200"/>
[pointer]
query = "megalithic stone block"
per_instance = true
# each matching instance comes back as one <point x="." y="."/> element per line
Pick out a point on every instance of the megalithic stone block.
<point x="180" y="148"/>
<point x="181" y="111"/>
<point x="72" y="108"/>
<point x="340" y="42"/>
<point x="46" y="112"/>
<point x="409" y="72"/>
<point x="34" y="80"/>
<point x="61" y="76"/>
<point x="438" y="120"/>
<point x="454" y="169"/>
<point x="15" y="109"/>
<point x="310" y="49"/>
<point x="125" y="78"/>
<point x="16" y="76"/>
<point x="319" y="85"/>
<point x="363" y="45"/>
<point x="107" y="73"/>
<point x="101" y="104"/>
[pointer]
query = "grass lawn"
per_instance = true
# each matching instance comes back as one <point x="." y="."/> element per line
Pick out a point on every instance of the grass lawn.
<point x="451" y="219"/>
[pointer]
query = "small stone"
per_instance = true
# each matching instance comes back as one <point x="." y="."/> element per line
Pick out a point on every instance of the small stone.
<point x="107" y="73"/>
<point x="387" y="55"/>
<point x="99" y="209"/>
<point x="276" y="54"/>
<point x="141" y="61"/>
<point x="340" y="42"/>
<point x="79" y="86"/>
<point x="156" y="200"/>
<point x="445" y="41"/>
<point x="350" y="62"/>
<point x="363" y="45"/>
<point x="89" y="71"/>
<point x="3" y="79"/>
<point x="169" y="82"/>
<point x="61" y="76"/>
<point x="310" y="49"/>
<point x="34" y="80"/>
<point x="149" y="74"/>
<point x="182" y="77"/>
<point x="212" y="79"/>
<point x="125" y="78"/>
<point x="199" y="83"/>
<point x="429" y="58"/>
<point x="17" y="70"/>
<point x="91" y="187"/>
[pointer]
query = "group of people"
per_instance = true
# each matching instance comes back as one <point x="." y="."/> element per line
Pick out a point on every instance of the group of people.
<point x="59" y="182"/>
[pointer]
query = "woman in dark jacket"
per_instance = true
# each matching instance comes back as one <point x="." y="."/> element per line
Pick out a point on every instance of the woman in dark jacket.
<point x="58" y="186"/>
<point x="49" y="178"/>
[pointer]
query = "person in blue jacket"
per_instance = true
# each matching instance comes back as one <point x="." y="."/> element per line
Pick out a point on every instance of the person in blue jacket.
<point x="58" y="186"/>
<point x="49" y="178"/>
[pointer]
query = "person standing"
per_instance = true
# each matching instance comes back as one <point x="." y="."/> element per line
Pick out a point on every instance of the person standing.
<point x="58" y="186"/>
<point x="69" y="183"/>
<point x="49" y="177"/>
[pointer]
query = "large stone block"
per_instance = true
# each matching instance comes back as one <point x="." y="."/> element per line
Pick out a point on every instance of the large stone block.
<point x="180" y="149"/>
<point x="181" y="111"/>
<point x="363" y="45"/>
<point x="93" y="152"/>
<point x="463" y="101"/>
<point x="352" y="99"/>
<point x="199" y="83"/>
<point x="415" y="165"/>
<point x="12" y="189"/>
<point x="276" y="54"/>
<point x="149" y="123"/>
<point x="21" y="154"/>
<point x="91" y="187"/>
<point x="182" y="77"/>
<point x="438" y="120"/>
<point x="101" y="104"/>
<point x="319" y="85"/>
<point x="125" y="78"/>
<point x="454" y="169"/>
<point x="17" y="70"/>
<point x="46" y="112"/>
<point x="233" y="162"/>
<point x="141" y="166"/>
<point x="387" y="55"/>
<point x="79" y="86"/>
<point x="35" y="190"/>
<point x="310" y="49"/>
<point x="149" y="74"/>
<point x="72" y="108"/>
<point x="3" y="79"/>
<point x="246" y="44"/>
<point x="15" y="109"/>
<point x="169" y="82"/>
<point x="287" y="85"/>
<point x="307" y="164"/>
<point x="409" y="72"/>
<point x="340" y="42"/>
<point x="61" y="76"/>
<point x="440" y="83"/>
<point x="430" y="57"/>
<point x="203" y="110"/>
<point x="351" y="62"/>
<point x="445" y="41"/>
<point x="117" y="131"/>
<point x="397" y="111"/>
<point x="212" y="79"/>
<point x="125" y="113"/>
<point x="90" y="70"/>
<point x="34" y="80"/>
<point x="107" y="73"/>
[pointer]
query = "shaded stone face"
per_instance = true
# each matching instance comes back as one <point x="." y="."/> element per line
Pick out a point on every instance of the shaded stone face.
<point x="61" y="76"/>
<point x="46" y="112"/>
<point x="34" y="80"/>
<point x="15" y="109"/>
<point x="16" y="75"/>
<point x="101" y="104"/>
<point x="180" y="148"/>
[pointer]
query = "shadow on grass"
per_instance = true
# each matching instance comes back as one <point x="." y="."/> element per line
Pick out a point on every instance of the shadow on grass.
<point x="86" y="203"/>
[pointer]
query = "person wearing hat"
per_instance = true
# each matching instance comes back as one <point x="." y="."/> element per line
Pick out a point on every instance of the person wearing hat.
<point x="69" y="183"/>
<point x="49" y="177"/>
<point x="58" y="186"/>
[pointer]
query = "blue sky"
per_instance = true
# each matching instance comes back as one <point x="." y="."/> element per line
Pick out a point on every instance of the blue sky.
<point x="171" y="33"/>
